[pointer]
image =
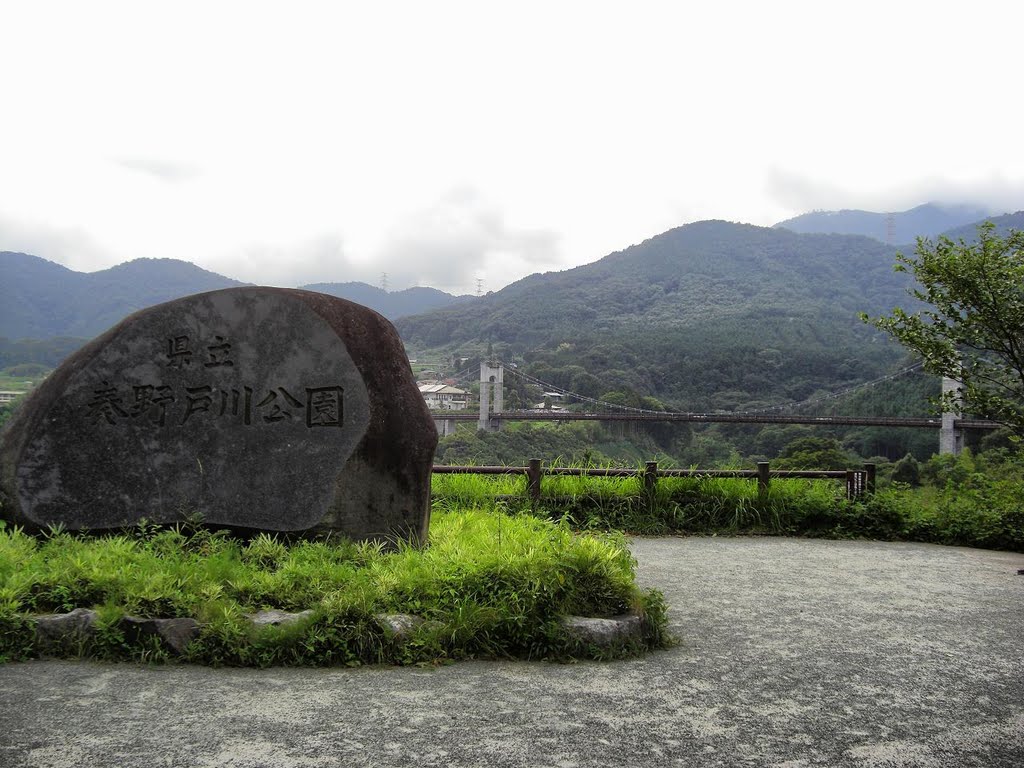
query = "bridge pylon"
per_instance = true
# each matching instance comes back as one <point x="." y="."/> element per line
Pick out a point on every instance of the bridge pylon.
<point x="951" y="438"/>
<point x="491" y="380"/>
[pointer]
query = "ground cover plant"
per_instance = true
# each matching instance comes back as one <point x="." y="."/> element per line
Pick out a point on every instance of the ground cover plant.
<point x="488" y="584"/>
<point x="967" y="501"/>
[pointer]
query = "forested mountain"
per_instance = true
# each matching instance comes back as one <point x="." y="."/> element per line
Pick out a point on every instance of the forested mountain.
<point x="391" y="304"/>
<point x="1004" y="223"/>
<point x="709" y="316"/>
<point x="46" y="352"/>
<point x="40" y="299"/>
<point x="926" y="220"/>
<point x="712" y="315"/>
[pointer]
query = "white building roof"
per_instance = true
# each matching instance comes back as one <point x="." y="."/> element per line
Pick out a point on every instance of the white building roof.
<point x="436" y="388"/>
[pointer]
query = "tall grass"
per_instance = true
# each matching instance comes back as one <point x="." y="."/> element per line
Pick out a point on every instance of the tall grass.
<point x="969" y="505"/>
<point x="679" y="504"/>
<point x="487" y="584"/>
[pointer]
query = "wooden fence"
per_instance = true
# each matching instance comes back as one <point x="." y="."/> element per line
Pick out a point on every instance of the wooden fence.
<point x="859" y="482"/>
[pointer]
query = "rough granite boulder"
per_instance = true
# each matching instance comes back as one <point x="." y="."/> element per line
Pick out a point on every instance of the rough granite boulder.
<point x="257" y="408"/>
<point x="60" y="630"/>
<point x="276" y="618"/>
<point x="604" y="633"/>
<point x="176" y="633"/>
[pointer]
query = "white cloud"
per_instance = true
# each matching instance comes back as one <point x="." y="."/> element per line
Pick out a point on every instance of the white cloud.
<point x="460" y="238"/>
<point x="324" y="141"/>
<point x="70" y="246"/>
<point x="290" y="264"/>
<point x="164" y="170"/>
<point x="802" y="192"/>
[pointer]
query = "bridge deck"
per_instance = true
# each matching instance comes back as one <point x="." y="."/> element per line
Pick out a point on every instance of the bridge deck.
<point x="725" y="418"/>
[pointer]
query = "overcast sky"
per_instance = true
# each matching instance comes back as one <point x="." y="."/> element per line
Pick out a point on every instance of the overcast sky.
<point x="445" y="142"/>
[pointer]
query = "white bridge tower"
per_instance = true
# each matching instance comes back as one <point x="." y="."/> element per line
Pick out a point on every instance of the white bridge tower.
<point x="491" y="378"/>
<point x="951" y="439"/>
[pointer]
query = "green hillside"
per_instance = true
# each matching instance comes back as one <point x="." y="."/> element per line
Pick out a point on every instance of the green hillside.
<point x="712" y="315"/>
<point x="40" y="299"/>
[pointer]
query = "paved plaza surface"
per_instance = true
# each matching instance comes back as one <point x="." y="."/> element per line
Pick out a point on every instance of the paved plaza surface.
<point x="792" y="653"/>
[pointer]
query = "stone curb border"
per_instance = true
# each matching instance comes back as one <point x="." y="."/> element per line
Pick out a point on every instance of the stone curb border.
<point x="56" y="630"/>
<point x="604" y="633"/>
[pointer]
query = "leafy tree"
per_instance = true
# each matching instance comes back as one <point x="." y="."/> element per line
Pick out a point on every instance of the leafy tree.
<point x="616" y="398"/>
<point x="513" y="400"/>
<point x="27" y="370"/>
<point x="907" y="470"/>
<point x="815" y="453"/>
<point x="972" y="328"/>
<point x="710" y="449"/>
<point x="770" y="441"/>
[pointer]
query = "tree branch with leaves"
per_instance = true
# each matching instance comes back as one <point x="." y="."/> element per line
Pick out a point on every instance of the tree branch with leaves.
<point x="972" y="325"/>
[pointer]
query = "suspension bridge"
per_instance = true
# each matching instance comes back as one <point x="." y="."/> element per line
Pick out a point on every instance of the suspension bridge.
<point x="492" y="412"/>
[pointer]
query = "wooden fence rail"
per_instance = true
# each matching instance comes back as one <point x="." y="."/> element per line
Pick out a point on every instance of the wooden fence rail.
<point x="859" y="482"/>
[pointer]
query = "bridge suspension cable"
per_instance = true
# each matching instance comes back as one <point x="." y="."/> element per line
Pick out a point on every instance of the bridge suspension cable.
<point x="547" y="386"/>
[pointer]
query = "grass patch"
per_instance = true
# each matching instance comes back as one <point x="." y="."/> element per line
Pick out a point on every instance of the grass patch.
<point x="488" y="585"/>
<point x="679" y="505"/>
<point x="970" y="502"/>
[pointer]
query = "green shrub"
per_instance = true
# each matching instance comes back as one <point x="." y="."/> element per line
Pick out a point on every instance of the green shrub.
<point x="907" y="471"/>
<point x="487" y="584"/>
<point x="969" y="500"/>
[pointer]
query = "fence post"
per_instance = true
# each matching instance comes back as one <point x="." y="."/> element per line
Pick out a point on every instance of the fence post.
<point x="533" y="474"/>
<point x="650" y="482"/>
<point x="869" y="477"/>
<point x="762" y="478"/>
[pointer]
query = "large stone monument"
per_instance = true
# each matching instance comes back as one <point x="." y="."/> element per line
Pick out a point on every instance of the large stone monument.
<point x="256" y="408"/>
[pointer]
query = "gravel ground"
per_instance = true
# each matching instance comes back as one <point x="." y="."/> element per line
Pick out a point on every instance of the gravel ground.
<point x="792" y="653"/>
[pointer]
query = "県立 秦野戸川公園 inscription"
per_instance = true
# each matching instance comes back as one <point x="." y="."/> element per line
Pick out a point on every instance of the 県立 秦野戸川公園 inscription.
<point x="261" y="408"/>
<point x="151" y="402"/>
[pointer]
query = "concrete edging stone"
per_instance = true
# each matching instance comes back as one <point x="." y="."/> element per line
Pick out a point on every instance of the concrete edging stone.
<point x="55" y="630"/>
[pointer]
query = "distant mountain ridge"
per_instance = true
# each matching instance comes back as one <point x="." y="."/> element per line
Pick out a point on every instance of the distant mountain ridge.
<point x="700" y="272"/>
<point x="1003" y="224"/>
<point x="926" y="220"/>
<point x="712" y="314"/>
<point x="40" y="299"/>
<point x="691" y="274"/>
<point x="391" y="304"/>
